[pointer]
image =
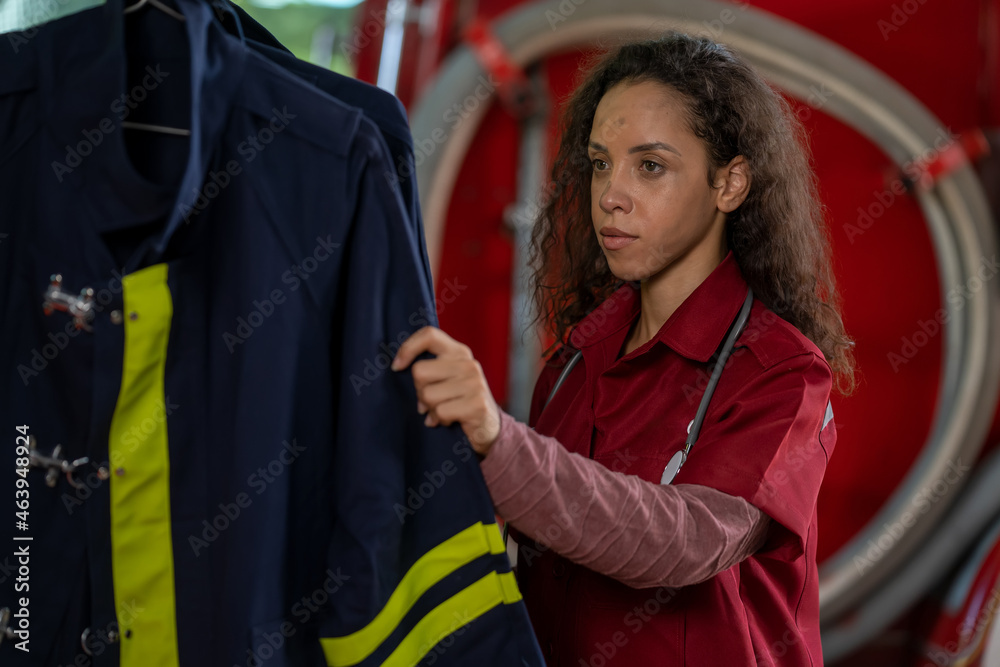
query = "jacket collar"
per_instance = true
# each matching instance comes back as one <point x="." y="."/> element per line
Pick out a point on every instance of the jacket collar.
<point x="695" y="330"/>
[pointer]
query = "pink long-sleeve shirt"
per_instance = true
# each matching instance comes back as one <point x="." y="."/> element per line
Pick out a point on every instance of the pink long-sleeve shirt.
<point x="639" y="533"/>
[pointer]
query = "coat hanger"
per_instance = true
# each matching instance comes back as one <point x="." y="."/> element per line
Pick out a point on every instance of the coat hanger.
<point x="155" y="3"/>
<point x="176" y="131"/>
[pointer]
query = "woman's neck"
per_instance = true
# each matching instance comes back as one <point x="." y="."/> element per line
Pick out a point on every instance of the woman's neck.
<point x="662" y="294"/>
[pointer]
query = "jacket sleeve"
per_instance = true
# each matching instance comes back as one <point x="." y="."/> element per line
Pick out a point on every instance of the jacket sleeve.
<point x="639" y="533"/>
<point x="413" y="526"/>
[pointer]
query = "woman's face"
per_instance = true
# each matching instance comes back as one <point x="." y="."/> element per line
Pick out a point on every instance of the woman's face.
<point x="651" y="202"/>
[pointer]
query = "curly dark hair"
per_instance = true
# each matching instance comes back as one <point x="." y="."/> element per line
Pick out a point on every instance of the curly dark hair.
<point x="778" y="235"/>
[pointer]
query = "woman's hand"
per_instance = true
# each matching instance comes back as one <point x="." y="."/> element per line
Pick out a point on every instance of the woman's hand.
<point x="452" y="387"/>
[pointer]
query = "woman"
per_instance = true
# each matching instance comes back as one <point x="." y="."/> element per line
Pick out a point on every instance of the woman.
<point x="685" y="182"/>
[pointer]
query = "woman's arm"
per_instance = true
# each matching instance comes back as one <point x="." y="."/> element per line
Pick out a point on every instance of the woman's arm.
<point x="619" y="525"/>
<point x="639" y="533"/>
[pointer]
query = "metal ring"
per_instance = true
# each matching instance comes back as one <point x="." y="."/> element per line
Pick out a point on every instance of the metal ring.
<point x="84" y="636"/>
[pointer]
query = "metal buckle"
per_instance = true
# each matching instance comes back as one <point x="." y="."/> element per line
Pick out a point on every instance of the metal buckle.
<point x="55" y="464"/>
<point x="80" y="307"/>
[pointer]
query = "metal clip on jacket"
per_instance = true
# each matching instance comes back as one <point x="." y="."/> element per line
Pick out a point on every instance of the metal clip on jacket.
<point x="80" y="307"/>
<point x="6" y="632"/>
<point x="55" y="464"/>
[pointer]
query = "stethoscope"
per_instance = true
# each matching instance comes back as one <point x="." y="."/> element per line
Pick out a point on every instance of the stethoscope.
<point x="694" y="428"/>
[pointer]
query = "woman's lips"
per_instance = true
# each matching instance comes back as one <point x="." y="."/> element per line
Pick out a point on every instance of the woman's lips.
<point x="617" y="242"/>
<point x="615" y="239"/>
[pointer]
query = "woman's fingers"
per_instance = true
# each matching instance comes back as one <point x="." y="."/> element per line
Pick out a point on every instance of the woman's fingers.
<point x="432" y="340"/>
<point x="429" y="371"/>
<point x="451" y="387"/>
<point x="433" y="395"/>
<point x="479" y="416"/>
<point x="469" y="410"/>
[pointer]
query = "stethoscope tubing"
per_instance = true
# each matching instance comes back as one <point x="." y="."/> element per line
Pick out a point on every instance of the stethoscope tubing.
<point x="676" y="461"/>
<point x="706" y="397"/>
<point x="727" y="349"/>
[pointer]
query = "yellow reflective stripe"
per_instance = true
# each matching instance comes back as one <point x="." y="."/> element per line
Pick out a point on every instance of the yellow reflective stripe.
<point x="477" y="540"/>
<point x="452" y="614"/>
<point x="141" y="546"/>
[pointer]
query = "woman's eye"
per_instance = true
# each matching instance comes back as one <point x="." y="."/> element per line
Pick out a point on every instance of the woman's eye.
<point x="598" y="164"/>
<point x="653" y="167"/>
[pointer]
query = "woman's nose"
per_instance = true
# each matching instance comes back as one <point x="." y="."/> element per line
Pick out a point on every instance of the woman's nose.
<point x="616" y="194"/>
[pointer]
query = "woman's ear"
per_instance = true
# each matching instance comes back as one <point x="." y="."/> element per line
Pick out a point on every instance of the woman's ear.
<point x="732" y="183"/>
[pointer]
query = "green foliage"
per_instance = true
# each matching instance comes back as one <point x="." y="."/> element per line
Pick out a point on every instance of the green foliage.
<point x="300" y="26"/>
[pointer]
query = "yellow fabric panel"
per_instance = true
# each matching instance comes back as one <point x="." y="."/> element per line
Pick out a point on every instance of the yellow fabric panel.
<point x="142" y="548"/>
<point x="452" y="615"/>
<point x="477" y="540"/>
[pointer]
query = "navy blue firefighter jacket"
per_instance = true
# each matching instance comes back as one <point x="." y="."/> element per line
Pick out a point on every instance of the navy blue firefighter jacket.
<point x="379" y="106"/>
<point x="250" y="484"/>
